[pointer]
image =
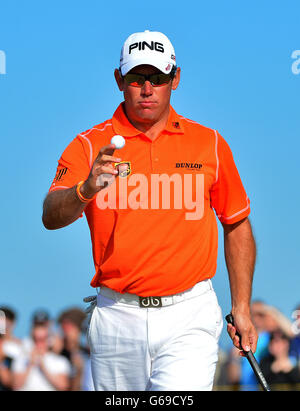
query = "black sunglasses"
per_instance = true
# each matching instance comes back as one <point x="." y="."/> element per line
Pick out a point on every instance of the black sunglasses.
<point x="156" y="80"/>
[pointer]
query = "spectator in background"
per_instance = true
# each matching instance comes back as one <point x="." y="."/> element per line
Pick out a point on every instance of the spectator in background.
<point x="276" y="320"/>
<point x="71" y="322"/>
<point x="10" y="348"/>
<point x="295" y="342"/>
<point x="40" y="317"/>
<point x="278" y="366"/>
<point x="37" y="368"/>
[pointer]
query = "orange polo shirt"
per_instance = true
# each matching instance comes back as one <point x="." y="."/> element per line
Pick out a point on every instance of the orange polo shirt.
<point x="154" y="230"/>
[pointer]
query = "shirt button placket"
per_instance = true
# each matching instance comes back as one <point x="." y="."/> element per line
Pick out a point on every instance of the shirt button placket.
<point x="154" y="157"/>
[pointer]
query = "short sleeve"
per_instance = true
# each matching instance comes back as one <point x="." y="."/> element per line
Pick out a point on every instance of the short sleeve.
<point x="228" y="196"/>
<point x="73" y="165"/>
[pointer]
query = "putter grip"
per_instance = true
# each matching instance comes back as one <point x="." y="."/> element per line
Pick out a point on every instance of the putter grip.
<point x="252" y="360"/>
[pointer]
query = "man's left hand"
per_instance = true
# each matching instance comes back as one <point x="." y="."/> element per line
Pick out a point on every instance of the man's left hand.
<point x="245" y="328"/>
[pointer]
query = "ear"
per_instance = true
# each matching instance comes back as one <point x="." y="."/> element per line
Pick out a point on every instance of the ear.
<point x="176" y="79"/>
<point x="119" y="80"/>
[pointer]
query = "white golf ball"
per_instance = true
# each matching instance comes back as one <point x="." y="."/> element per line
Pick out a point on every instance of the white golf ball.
<point x="118" y="141"/>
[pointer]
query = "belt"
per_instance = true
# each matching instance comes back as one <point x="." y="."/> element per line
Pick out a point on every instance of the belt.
<point x="155" y="302"/>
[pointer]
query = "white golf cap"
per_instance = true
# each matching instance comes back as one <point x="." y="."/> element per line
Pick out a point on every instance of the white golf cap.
<point x="148" y="47"/>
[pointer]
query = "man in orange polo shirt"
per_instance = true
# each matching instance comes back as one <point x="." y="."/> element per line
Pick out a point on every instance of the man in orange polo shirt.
<point x="151" y="208"/>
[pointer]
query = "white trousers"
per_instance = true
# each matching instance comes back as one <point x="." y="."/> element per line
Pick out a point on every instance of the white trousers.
<point x="172" y="348"/>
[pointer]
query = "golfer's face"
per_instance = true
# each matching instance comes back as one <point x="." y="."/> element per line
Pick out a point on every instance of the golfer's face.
<point x="147" y="103"/>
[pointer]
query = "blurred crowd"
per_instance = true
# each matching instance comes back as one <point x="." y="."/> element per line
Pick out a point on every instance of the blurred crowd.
<point x="278" y="353"/>
<point x="50" y="358"/>
<point x="55" y="354"/>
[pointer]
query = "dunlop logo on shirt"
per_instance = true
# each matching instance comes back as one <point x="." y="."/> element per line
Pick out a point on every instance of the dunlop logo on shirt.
<point x="192" y="166"/>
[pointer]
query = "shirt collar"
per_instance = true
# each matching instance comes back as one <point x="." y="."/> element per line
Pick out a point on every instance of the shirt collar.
<point x="122" y="125"/>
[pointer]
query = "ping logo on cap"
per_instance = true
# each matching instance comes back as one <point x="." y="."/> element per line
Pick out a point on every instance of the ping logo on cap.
<point x="148" y="47"/>
<point x="141" y="45"/>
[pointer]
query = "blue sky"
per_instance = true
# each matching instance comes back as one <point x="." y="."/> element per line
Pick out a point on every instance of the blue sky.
<point x="236" y="77"/>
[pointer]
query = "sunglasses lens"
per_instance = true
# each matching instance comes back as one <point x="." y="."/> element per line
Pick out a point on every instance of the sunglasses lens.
<point x="135" y="80"/>
<point x="138" y="80"/>
<point x="160" y="79"/>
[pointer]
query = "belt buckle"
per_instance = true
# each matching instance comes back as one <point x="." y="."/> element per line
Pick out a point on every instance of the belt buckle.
<point x="150" y="302"/>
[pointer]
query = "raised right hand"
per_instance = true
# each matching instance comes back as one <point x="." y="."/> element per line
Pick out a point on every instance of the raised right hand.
<point x="103" y="172"/>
